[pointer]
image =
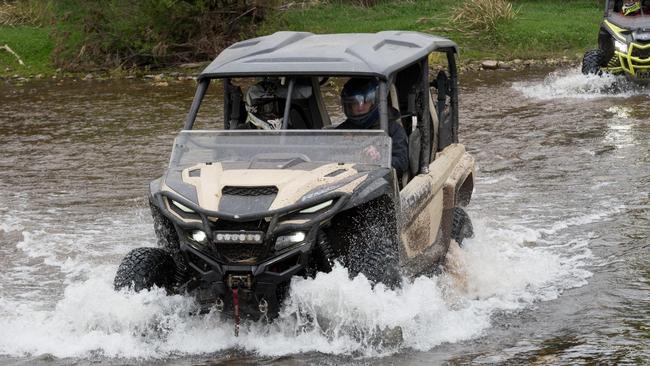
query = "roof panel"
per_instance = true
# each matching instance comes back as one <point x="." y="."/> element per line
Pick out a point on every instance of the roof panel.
<point x="302" y="53"/>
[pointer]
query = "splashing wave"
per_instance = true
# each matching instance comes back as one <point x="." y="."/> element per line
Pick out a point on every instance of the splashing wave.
<point x="573" y="84"/>
<point x="331" y="313"/>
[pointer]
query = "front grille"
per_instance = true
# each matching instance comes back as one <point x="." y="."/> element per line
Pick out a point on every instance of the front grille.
<point x="250" y="191"/>
<point x="242" y="253"/>
<point x="641" y="52"/>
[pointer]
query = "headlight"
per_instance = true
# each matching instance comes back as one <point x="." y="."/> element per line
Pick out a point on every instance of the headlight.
<point x="199" y="236"/>
<point x="620" y="46"/>
<point x="317" y="207"/>
<point x="285" y="241"/>
<point x="182" y="207"/>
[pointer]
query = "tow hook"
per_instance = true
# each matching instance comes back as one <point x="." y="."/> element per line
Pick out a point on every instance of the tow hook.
<point x="263" y="306"/>
<point x="219" y="305"/>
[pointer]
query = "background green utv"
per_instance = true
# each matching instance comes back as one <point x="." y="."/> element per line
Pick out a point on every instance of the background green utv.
<point x="80" y="35"/>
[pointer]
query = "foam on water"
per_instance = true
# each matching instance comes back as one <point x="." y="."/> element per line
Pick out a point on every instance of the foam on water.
<point x="496" y="271"/>
<point x="572" y="83"/>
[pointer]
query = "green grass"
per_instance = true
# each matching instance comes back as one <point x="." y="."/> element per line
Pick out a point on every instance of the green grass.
<point x="549" y="28"/>
<point x="541" y="29"/>
<point x="34" y="47"/>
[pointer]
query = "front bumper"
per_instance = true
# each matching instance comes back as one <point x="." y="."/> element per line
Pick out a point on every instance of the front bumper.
<point x="261" y="286"/>
<point x="634" y="63"/>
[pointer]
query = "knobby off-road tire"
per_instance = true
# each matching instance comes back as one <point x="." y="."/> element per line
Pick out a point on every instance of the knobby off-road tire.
<point x="143" y="268"/>
<point x="593" y="61"/>
<point x="462" y="226"/>
<point x="377" y="260"/>
<point x="373" y="249"/>
<point x="168" y="240"/>
<point x="324" y="253"/>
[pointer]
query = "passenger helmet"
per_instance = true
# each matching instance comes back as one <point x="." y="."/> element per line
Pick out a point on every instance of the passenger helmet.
<point x="631" y="7"/>
<point x="264" y="105"/>
<point x="360" y="100"/>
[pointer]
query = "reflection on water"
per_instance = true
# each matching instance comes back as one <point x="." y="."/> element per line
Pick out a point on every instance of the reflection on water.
<point x="558" y="272"/>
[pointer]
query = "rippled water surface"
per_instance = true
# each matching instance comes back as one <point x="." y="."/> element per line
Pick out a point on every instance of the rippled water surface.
<point x="558" y="272"/>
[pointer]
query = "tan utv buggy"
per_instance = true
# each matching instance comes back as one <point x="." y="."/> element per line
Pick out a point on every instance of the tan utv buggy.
<point x="240" y="211"/>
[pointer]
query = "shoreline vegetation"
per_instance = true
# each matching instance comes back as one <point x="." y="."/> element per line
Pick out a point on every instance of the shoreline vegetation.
<point x="164" y="39"/>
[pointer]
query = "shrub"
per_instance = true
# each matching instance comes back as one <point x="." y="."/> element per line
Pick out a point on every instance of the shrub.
<point x="482" y="15"/>
<point x="361" y="3"/>
<point x="124" y="33"/>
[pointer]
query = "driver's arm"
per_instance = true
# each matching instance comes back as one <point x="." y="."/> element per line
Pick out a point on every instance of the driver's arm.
<point x="400" y="156"/>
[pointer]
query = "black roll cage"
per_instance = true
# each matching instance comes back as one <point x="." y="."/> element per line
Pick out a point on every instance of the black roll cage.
<point x="447" y="128"/>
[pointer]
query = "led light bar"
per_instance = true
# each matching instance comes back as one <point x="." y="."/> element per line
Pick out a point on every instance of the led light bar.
<point x="242" y="237"/>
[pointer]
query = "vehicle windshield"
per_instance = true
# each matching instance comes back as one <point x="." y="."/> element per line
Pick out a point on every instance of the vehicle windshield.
<point x="192" y="147"/>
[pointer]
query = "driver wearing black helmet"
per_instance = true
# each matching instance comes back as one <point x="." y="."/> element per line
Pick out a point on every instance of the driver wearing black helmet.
<point x="360" y="100"/>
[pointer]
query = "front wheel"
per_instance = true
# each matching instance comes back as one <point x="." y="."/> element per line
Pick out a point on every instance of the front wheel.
<point x="593" y="61"/>
<point x="462" y="226"/>
<point x="377" y="259"/>
<point x="144" y="268"/>
<point x="373" y="248"/>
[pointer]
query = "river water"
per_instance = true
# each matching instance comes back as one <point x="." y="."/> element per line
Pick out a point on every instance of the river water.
<point x="557" y="273"/>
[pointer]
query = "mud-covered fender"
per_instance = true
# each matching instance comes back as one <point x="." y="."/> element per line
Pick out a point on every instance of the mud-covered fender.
<point x="459" y="185"/>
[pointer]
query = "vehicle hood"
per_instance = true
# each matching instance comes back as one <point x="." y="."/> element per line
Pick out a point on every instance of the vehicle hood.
<point x="233" y="188"/>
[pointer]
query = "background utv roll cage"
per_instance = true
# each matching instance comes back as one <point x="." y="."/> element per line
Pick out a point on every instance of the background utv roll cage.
<point x="615" y="5"/>
<point x="437" y="134"/>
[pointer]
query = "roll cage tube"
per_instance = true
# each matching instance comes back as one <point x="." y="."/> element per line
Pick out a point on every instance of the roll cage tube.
<point x="383" y="106"/>
<point x="232" y="100"/>
<point x="453" y="89"/>
<point x="227" y="107"/>
<point x="425" y="151"/>
<point x="287" y="105"/>
<point x="196" y="103"/>
<point x="447" y="86"/>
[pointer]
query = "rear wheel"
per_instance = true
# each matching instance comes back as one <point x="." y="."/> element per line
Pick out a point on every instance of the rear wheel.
<point x="143" y="268"/>
<point x="593" y="61"/>
<point x="462" y="226"/>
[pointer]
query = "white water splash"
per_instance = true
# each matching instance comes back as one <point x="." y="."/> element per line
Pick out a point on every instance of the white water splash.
<point x="330" y="313"/>
<point x="573" y="84"/>
<point x="621" y="112"/>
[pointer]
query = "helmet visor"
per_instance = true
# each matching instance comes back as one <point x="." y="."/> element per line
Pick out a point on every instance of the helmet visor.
<point x="360" y="103"/>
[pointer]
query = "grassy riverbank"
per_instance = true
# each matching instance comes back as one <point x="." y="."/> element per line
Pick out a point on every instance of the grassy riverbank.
<point x="540" y="29"/>
<point x="549" y="28"/>
<point x="32" y="45"/>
